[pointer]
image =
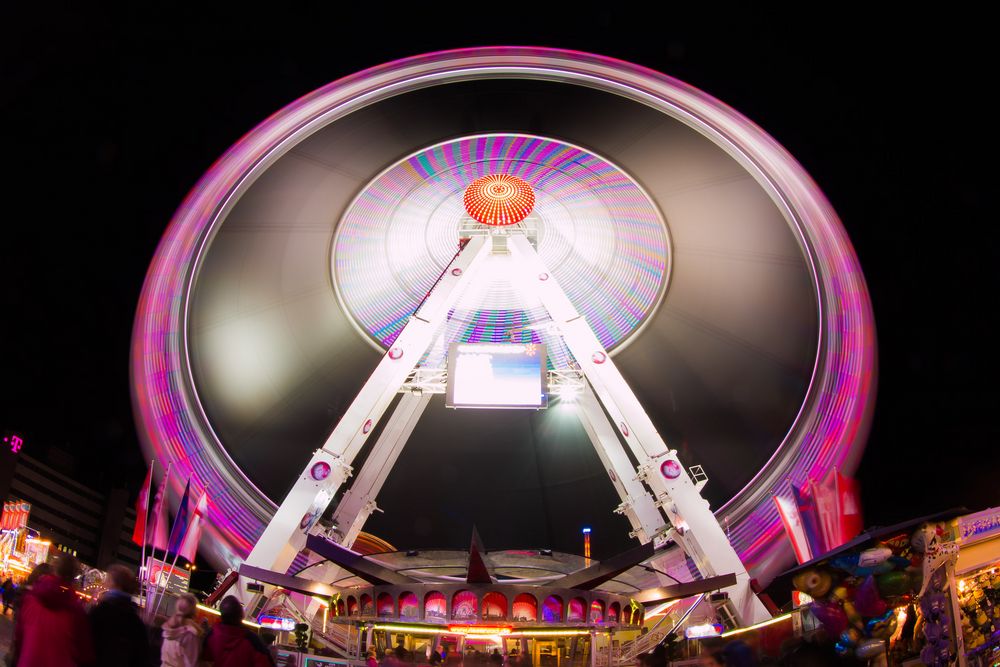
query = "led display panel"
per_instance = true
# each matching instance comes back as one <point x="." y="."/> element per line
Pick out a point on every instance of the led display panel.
<point x="496" y="375"/>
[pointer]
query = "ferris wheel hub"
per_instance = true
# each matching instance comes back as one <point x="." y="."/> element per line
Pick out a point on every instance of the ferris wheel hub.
<point x="499" y="200"/>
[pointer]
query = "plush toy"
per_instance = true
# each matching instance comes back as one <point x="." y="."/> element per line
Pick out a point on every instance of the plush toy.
<point x="841" y="593"/>
<point x="927" y="537"/>
<point x="872" y="557"/>
<point x="869" y="648"/>
<point x="881" y="627"/>
<point x="847" y="641"/>
<point x="867" y="600"/>
<point x="867" y="562"/>
<point x="814" y="582"/>
<point x="893" y="583"/>
<point x="831" y="615"/>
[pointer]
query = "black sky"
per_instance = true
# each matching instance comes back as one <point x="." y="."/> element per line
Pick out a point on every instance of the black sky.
<point x="110" y="118"/>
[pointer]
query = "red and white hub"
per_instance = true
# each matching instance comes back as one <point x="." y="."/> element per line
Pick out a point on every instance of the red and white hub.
<point x="499" y="200"/>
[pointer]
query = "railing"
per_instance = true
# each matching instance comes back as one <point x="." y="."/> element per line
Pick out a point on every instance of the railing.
<point x="643" y="643"/>
<point x="629" y="651"/>
<point x="336" y="636"/>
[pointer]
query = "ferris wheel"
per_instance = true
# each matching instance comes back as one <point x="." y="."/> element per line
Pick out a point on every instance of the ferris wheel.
<point x="668" y="256"/>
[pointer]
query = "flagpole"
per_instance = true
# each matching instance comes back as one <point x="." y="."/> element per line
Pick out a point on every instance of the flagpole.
<point x="184" y="500"/>
<point x="145" y="530"/>
<point x="162" y="493"/>
<point x="164" y="592"/>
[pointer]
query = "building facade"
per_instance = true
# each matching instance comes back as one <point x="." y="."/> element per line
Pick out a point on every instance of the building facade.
<point x="96" y="527"/>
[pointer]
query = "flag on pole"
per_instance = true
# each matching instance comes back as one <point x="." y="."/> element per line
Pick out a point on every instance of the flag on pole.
<point x="189" y="543"/>
<point x="158" y="533"/>
<point x="824" y="493"/>
<point x="179" y="529"/>
<point x="849" y="494"/>
<point x="810" y="520"/>
<point x="789" y="513"/>
<point x="142" y="509"/>
<point x="839" y="508"/>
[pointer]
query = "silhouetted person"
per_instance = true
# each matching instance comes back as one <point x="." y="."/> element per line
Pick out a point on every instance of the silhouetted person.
<point x="8" y="591"/>
<point x="120" y="636"/>
<point x="230" y="643"/>
<point x="738" y="654"/>
<point x="269" y="639"/>
<point x="51" y="628"/>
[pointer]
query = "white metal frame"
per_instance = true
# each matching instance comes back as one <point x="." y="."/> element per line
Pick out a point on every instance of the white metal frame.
<point x="659" y="498"/>
<point x="285" y="534"/>
<point x="694" y="524"/>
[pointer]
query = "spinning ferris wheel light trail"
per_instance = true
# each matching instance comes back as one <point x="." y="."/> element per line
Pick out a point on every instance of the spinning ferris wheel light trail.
<point x="621" y="262"/>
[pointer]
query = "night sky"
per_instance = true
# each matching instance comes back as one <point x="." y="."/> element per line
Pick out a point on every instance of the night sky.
<point x="109" y="119"/>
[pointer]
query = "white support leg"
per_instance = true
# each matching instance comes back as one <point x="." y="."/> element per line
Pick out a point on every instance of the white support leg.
<point x="637" y="505"/>
<point x="359" y="501"/>
<point x="329" y="467"/>
<point x="701" y="536"/>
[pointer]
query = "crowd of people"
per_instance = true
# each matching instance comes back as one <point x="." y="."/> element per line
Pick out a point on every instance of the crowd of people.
<point x="53" y="628"/>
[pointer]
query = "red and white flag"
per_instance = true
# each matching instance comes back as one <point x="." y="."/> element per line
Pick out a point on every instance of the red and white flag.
<point x="852" y="520"/>
<point x="794" y="528"/>
<point x="189" y="545"/>
<point x="839" y="507"/>
<point x="142" y="509"/>
<point x="158" y="533"/>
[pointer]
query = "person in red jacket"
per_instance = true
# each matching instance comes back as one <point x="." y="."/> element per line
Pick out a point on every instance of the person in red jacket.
<point x="231" y="644"/>
<point x="52" y="628"/>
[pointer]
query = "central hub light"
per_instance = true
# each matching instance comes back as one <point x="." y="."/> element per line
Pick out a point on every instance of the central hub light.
<point x="499" y="200"/>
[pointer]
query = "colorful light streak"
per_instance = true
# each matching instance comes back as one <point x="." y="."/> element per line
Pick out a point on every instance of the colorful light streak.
<point x="600" y="234"/>
<point x="478" y="631"/>
<point x="216" y="612"/>
<point x="762" y="624"/>
<point x="830" y="431"/>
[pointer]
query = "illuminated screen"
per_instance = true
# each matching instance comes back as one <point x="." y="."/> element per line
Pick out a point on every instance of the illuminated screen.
<point x="496" y="375"/>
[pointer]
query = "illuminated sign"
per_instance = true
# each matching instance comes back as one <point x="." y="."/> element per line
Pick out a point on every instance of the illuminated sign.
<point x="703" y="631"/>
<point x="276" y="623"/>
<point x="162" y="575"/>
<point x="15" y="515"/>
<point x="473" y="630"/>
<point x="496" y="375"/>
<point x="979" y="525"/>
<point x="14" y="441"/>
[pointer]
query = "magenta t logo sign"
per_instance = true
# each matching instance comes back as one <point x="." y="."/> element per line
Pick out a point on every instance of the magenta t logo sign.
<point x="15" y="443"/>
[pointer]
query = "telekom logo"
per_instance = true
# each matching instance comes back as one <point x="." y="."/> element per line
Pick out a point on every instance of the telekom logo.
<point x="15" y="442"/>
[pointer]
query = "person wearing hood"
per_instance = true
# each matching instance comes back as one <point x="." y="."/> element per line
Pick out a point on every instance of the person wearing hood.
<point x="52" y="628"/>
<point x="120" y="636"/>
<point x="230" y="643"/>
<point x="182" y="635"/>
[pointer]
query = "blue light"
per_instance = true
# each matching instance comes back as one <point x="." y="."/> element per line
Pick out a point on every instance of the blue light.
<point x="586" y="530"/>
